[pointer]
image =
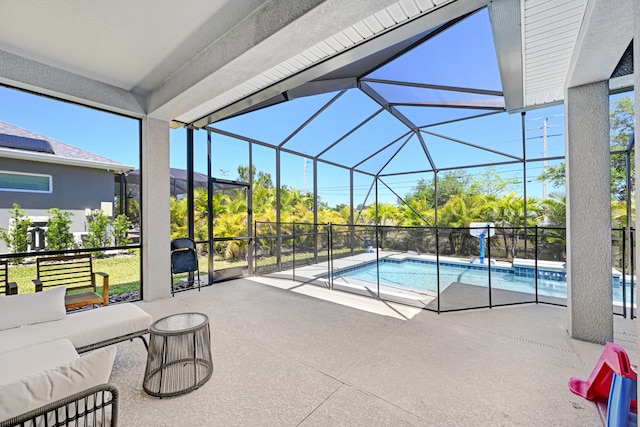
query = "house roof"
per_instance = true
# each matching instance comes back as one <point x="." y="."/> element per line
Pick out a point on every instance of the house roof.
<point x="20" y="143"/>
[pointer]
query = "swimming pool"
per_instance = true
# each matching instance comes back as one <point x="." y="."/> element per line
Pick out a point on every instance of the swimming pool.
<point x="421" y="276"/>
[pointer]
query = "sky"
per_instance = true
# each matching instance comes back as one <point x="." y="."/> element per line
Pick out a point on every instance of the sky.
<point x="446" y="60"/>
<point x="109" y="135"/>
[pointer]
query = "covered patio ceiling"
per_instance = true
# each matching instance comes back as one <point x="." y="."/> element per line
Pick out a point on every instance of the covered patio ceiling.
<point x="381" y="113"/>
<point x="215" y="59"/>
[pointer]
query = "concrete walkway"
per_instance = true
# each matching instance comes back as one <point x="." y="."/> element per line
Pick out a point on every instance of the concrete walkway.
<point x="306" y="356"/>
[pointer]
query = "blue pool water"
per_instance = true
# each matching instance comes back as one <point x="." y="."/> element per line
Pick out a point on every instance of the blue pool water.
<point x="421" y="276"/>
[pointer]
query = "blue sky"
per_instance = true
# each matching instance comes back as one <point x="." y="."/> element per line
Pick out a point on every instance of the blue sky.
<point x="110" y="135"/>
<point x="445" y="60"/>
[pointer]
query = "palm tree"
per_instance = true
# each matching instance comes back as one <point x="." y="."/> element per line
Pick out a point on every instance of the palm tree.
<point x="232" y="225"/>
<point x="178" y="215"/>
<point x="554" y="209"/>
<point x="421" y="206"/>
<point x="509" y="213"/>
<point x="619" y="215"/>
<point x="460" y="211"/>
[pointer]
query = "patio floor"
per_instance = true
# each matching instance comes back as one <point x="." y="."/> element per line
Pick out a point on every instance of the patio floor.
<point x="305" y="355"/>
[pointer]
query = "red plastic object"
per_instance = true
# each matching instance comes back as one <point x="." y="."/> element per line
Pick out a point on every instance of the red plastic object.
<point x="597" y="387"/>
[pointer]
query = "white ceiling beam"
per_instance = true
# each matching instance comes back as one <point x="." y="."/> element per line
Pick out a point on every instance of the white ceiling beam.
<point x="244" y="51"/>
<point x="439" y="16"/>
<point x="505" y="17"/>
<point x="33" y="76"/>
<point x="605" y="33"/>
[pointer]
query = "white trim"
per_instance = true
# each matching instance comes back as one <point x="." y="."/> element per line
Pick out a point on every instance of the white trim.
<point x="50" y="158"/>
<point x="13" y="190"/>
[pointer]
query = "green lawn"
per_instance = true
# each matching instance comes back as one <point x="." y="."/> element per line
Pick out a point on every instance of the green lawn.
<point x="123" y="271"/>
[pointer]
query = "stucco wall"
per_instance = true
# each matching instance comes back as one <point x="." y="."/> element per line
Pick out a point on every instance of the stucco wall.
<point x="74" y="189"/>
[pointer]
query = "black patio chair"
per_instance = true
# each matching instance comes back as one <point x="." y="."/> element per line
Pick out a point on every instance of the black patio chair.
<point x="184" y="259"/>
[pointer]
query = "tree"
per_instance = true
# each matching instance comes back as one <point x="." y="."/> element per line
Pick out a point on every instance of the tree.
<point x="622" y="125"/>
<point x="554" y="174"/>
<point x="423" y="190"/>
<point x="59" y="234"/>
<point x="16" y="236"/>
<point x="98" y="228"/>
<point x="622" y="122"/>
<point x="554" y="209"/>
<point x="121" y="227"/>
<point x="263" y="179"/>
<point x="417" y="212"/>
<point x="489" y="182"/>
<point x="508" y="213"/>
<point x="178" y="215"/>
<point x="459" y="212"/>
<point x="387" y="214"/>
<point x="450" y="183"/>
<point x="552" y="243"/>
<point x="132" y="205"/>
<point x="231" y="225"/>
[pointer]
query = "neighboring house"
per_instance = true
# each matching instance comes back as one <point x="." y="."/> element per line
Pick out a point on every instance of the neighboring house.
<point x="40" y="173"/>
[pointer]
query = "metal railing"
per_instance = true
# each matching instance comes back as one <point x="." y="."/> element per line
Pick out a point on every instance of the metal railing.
<point x="521" y="265"/>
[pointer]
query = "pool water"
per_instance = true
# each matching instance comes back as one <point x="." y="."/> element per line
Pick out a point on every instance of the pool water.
<point x="421" y="276"/>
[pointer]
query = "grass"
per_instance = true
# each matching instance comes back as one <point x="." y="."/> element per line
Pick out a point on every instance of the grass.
<point x="123" y="271"/>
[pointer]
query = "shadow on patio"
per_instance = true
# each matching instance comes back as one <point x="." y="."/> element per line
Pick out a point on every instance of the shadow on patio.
<point x="285" y="358"/>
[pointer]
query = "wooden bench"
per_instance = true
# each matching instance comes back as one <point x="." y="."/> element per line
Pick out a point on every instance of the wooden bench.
<point x="76" y="273"/>
<point x="6" y="287"/>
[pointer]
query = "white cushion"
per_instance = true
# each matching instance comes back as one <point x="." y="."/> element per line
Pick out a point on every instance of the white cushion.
<point x="82" y="328"/>
<point x="34" y="391"/>
<point x="27" y="309"/>
<point x="32" y="360"/>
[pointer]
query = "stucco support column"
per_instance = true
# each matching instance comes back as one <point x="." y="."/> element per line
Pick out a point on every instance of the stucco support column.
<point x="156" y="242"/>
<point x="589" y="292"/>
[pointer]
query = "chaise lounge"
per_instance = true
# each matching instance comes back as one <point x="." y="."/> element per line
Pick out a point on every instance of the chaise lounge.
<point x="41" y="360"/>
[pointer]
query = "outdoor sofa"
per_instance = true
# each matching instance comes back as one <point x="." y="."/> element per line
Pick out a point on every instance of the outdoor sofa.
<point x="41" y="361"/>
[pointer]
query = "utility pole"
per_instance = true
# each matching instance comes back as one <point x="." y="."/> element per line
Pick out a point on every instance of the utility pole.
<point x="545" y="136"/>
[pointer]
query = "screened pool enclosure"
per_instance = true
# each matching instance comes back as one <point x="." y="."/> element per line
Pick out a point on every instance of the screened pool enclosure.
<point x="391" y="159"/>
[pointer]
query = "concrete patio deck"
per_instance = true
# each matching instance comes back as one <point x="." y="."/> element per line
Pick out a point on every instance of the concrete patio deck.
<point x="307" y="356"/>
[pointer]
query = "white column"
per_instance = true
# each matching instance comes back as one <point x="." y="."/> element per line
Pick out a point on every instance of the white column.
<point x="156" y="242"/>
<point x="589" y="291"/>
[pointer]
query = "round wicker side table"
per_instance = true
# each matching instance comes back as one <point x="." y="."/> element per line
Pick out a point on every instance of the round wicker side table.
<point x="179" y="358"/>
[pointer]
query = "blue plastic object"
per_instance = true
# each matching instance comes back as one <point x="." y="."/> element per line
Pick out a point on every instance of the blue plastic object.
<point x="623" y="391"/>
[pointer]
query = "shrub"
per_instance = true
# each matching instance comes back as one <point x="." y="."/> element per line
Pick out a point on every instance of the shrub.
<point x="121" y="230"/>
<point x="98" y="228"/>
<point x="59" y="235"/>
<point x="16" y="236"/>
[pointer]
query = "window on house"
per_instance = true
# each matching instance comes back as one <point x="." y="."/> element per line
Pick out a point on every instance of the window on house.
<point x="25" y="182"/>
